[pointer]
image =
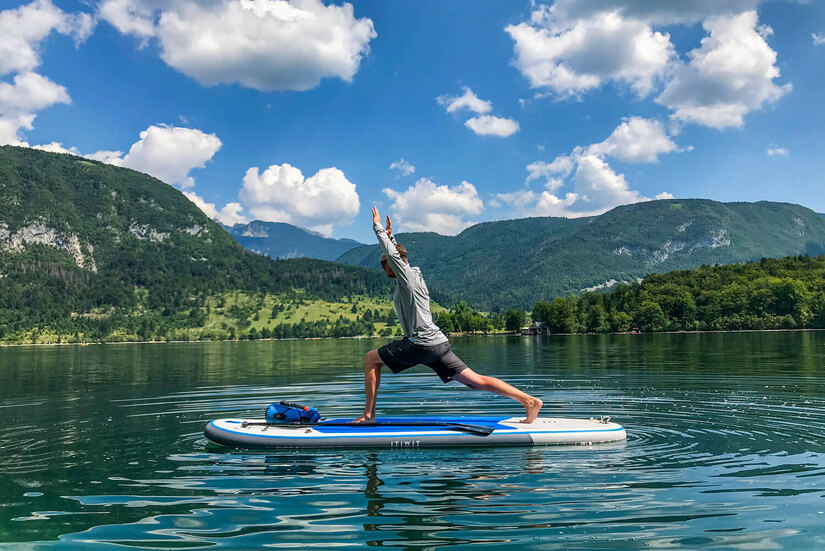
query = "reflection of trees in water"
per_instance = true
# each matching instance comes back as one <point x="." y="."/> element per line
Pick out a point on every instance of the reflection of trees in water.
<point x="418" y="509"/>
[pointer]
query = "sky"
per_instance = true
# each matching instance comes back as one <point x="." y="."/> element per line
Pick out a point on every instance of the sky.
<point x="443" y="114"/>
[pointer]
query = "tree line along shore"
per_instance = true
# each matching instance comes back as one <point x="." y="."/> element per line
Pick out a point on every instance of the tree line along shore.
<point x="786" y="293"/>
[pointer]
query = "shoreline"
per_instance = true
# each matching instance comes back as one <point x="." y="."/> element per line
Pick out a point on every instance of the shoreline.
<point x="451" y="335"/>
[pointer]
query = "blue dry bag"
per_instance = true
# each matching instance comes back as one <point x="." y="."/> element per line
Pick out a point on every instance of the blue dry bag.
<point x="290" y="413"/>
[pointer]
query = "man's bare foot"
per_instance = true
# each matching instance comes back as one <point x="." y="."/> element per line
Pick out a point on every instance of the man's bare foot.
<point x="532" y="410"/>
<point x="365" y="419"/>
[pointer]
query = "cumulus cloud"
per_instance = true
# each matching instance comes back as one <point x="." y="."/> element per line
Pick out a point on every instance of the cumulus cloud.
<point x="229" y="215"/>
<point x="553" y="173"/>
<point x="731" y="74"/>
<point x="57" y="147"/>
<point x="529" y="203"/>
<point x="282" y="194"/>
<point x="261" y="44"/>
<point x="636" y="140"/>
<point x="660" y="13"/>
<point x="168" y="153"/>
<point x="575" y="46"/>
<point x="426" y="206"/>
<point x="489" y="125"/>
<point x="29" y="92"/>
<point x="403" y="167"/>
<point x="664" y="195"/>
<point x="774" y="150"/>
<point x="818" y="38"/>
<point x="597" y="187"/>
<point x="481" y="124"/>
<point x="572" y="53"/>
<point x="22" y="30"/>
<point x="468" y="101"/>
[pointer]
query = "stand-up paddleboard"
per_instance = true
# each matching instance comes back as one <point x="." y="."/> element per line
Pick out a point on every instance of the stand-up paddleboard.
<point x="413" y="432"/>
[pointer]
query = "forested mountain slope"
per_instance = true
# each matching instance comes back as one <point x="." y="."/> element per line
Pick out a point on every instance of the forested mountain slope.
<point x="517" y="262"/>
<point x="280" y="240"/>
<point x="92" y="248"/>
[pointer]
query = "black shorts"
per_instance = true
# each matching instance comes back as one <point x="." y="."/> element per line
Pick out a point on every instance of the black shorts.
<point x="404" y="354"/>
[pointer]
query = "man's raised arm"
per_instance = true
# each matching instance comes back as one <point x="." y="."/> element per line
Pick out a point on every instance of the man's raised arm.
<point x="387" y="241"/>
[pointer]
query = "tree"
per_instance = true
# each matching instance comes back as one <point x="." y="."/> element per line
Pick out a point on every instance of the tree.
<point x="462" y="317"/>
<point x="596" y="318"/>
<point x="651" y="318"/>
<point x="562" y="316"/>
<point x="445" y="322"/>
<point x="515" y="319"/>
<point x="542" y="311"/>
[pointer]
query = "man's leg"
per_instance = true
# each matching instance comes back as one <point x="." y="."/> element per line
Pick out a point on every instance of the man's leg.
<point x="372" y="380"/>
<point x="472" y="379"/>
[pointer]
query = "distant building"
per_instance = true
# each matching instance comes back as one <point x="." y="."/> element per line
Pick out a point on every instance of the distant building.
<point x="537" y="328"/>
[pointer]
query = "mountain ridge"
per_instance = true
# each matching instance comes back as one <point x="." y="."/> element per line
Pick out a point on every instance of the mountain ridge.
<point x="86" y="247"/>
<point x="280" y="240"/>
<point x="517" y="262"/>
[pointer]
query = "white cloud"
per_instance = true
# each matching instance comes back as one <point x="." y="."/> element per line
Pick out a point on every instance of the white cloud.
<point x="30" y="92"/>
<point x="553" y="173"/>
<point x="57" y="147"/>
<point x="489" y="125"/>
<point x="468" y="101"/>
<point x="528" y="203"/>
<point x="106" y="156"/>
<point x="403" y="167"/>
<point x="664" y="195"/>
<point x="574" y="46"/>
<point x="168" y="153"/>
<point x="728" y="76"/>
<point x="20" y="100"/>
<point x="23" y="29"/>
<point x="660" y="13"/>
<point x="572" y="55"/>
<point x="774" y="150"/>
<point x="282" y="194"/>
<point x="130" y="16"/>
<point x="599" y="188"/>
<point x="230" y="214"/>
<point x="426" y="206"/>
<point x="596" y="186"/>
<point x="636" y="140"/>
<point x="819" y="38"/>
<point x="481" y="124"/>
<point x="261" y="44"/>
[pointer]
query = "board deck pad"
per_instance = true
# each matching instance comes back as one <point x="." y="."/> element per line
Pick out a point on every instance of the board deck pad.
<point x="414" y="432"/>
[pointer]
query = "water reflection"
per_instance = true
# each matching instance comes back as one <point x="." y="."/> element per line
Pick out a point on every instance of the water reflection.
<point x="725" y="447"/>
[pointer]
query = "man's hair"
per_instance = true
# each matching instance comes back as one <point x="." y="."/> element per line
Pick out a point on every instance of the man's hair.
<point x="402" y="251"/>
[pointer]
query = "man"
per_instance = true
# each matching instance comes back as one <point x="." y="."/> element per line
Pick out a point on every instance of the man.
<point x="423" y="341"/>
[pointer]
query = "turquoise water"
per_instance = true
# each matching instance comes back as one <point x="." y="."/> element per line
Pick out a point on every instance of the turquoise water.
<point x="102" y="446"/>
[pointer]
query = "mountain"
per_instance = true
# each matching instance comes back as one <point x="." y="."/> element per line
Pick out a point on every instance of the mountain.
<point x="517" y="262"/>
<point x="89" y="247"/>
<point x="279" y="240"/>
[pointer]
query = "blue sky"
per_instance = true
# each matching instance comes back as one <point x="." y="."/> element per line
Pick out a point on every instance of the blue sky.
<point x="295" y="111"/>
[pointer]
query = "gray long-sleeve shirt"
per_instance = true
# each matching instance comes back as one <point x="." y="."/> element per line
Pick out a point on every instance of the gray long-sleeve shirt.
<point x="411" y="297"/>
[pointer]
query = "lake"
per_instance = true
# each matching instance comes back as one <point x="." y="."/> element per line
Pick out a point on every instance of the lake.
<point x="102" y="446"/>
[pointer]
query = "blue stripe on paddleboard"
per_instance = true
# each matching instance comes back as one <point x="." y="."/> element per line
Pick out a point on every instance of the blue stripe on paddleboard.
<point x="410" y="433"/>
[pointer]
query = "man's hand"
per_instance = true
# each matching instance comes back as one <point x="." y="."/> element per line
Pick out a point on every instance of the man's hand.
<point x="389" y="226"/>
<point x="376" y="218"/>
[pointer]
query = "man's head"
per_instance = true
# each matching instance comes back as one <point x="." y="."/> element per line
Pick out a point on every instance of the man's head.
<point x="385" y="263"/>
